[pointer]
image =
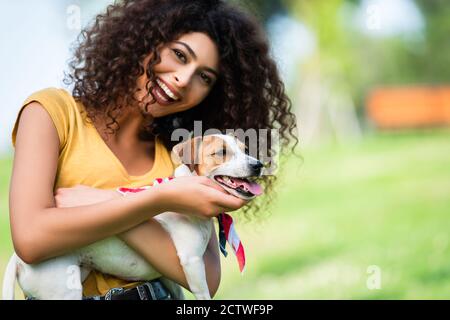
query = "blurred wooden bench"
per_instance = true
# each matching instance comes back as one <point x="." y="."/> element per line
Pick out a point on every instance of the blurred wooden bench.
<point x="409" y="107"/>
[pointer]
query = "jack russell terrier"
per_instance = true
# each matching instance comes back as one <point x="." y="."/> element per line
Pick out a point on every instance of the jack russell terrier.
<point x="222" y="158"/>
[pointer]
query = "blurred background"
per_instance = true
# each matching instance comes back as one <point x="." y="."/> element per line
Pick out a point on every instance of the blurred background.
<point x="363" y="213"/>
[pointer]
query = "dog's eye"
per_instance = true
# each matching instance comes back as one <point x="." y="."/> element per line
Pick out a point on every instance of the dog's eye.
<point x="221" y="153"/>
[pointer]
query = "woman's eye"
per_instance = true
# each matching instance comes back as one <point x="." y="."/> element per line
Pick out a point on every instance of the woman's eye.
<point x="180" y="55"/>
<point x="205" y="78"/>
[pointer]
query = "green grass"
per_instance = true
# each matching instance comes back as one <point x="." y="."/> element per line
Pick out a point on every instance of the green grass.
<point x="384" y="201"/>
<point x="5" y="235"/>
<point x="381" y="202"/>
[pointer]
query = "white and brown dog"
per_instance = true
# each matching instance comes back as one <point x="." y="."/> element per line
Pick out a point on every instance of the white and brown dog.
<point x="219" y="157"/>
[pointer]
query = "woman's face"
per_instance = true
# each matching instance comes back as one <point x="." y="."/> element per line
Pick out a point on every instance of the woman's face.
<point x="184" y="77"/>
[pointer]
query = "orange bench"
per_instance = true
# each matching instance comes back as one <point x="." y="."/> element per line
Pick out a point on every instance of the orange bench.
<point x="409" y="107"/>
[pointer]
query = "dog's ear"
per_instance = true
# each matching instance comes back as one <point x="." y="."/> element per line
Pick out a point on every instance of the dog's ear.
<point x="231" y="133"/>
<point x="187" y="153"/>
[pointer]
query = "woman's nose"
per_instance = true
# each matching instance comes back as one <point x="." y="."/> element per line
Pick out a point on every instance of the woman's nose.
<point x="183" y="77"/>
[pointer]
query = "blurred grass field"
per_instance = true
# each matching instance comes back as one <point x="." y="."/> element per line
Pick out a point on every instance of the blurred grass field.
<point x="381" y="202"/>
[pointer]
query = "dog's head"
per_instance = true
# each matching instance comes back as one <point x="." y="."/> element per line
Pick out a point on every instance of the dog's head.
<point x="222" y="158"/>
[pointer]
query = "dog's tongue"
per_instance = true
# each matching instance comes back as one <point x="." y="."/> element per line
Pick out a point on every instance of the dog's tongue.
<point x="253" y="187"/>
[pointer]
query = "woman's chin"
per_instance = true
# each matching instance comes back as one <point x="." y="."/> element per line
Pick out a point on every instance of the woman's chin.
<point x="158" y="111"/>
<point x="155" y="112"/>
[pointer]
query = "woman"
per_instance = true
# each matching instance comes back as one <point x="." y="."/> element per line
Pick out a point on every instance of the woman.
<point x="142" y="70"/>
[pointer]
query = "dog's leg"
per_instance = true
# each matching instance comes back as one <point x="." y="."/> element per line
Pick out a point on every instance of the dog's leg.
<point x="190" y="237"/>
<point x="194" y="269"/>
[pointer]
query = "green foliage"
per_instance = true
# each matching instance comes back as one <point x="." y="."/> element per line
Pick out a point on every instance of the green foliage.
<point x="5" y="236"/>
<point x="262" y="9"/>
<point x="359" y="62"/>
<point x="433" y="60"/>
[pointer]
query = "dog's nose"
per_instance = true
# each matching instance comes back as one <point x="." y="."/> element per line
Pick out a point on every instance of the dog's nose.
<point x="256" y="166"/>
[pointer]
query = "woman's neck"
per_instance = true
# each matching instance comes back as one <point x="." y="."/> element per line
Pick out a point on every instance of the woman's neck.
<point x="130" y="122"/>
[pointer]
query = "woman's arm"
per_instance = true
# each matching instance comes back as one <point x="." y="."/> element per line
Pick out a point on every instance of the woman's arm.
<point x="41" y="231"/>
<point x="149" y="239"/>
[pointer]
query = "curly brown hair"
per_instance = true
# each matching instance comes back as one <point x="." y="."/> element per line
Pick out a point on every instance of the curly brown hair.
<point x="249" y="93"/>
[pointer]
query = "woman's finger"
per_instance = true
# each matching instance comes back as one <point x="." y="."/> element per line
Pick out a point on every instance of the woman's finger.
<point x="228" y="202"/>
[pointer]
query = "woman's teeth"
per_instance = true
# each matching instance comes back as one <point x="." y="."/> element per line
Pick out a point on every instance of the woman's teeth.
<point x="161" y="96"/>
<point x="166" y="90"/>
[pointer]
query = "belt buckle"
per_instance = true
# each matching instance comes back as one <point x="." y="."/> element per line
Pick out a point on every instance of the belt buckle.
<point x="113" y="292"/>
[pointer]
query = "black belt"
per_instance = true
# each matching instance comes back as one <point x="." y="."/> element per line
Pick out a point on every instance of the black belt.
<point x="151" y="290"/>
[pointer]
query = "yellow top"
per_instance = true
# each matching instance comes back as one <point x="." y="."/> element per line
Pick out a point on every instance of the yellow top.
<point x="85" y="159"/>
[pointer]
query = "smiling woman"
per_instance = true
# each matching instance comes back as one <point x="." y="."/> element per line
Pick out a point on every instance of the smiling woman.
<point x="213" y="52"/>
<point x="142" y="70"/>
<point x="184" y="76"/>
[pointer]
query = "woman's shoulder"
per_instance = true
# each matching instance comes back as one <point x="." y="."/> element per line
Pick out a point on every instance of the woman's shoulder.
<point x="58" y="103"/>
<point x="53" y="96"/>
<point x="55" y="100"/>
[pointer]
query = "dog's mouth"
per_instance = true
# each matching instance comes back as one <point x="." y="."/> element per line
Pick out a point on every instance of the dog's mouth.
<point x="244" y="187"/>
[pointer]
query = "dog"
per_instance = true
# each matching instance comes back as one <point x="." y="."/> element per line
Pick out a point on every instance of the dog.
<point x="219" y="157"/>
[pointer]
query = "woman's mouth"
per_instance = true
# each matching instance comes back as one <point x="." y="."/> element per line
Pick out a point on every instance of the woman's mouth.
<point x="162" y="94"/>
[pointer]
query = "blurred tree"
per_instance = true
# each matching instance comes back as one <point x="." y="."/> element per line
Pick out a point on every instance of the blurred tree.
<point x="329" y="79"/>
<point x="433" y="62"/>
<point x="421" y="58"/>
<point x="263" y="9"/>
<point x="348" y="63"/>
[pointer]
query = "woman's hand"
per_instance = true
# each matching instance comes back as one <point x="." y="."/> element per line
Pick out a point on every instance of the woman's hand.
<point x="82" y="196"/>
<point x="198" y="196"/>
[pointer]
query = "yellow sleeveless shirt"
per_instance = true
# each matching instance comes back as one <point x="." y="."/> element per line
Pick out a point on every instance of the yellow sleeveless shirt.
<point x="85" y="159"/>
